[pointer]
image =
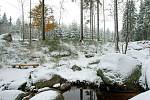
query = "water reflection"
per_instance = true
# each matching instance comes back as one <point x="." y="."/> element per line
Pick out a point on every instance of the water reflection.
<point x="89" y="94"/>
<point x="80" y="94"/>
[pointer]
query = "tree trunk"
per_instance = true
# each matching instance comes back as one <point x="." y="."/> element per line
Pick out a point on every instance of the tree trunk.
<point x="81" y="24"/>
<point x="104" y="18"/>
<point x="30" y="25"/>
<point x="22" y="6"/>
<point x="43" y="21"/>
<point x="98" y="20"/>
<point x="127" y="35"/>
<point x="116" y="25"/>
<point x="91" y="18"/>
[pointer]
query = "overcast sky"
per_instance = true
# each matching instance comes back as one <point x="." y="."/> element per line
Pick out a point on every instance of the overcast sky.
<point x="71" y="11"/>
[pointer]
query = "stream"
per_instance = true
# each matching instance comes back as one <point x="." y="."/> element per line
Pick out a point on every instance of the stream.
<point x="89" y="94"/>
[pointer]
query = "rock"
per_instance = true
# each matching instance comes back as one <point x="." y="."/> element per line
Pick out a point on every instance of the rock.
<point x="120" y="71"/>
<point x="76" y="68"/>
<point x="142" y="96"/>
<point x="48" y="83"/>
<point x="89" y="55"/>
<point x="57" y="85"/>
<point x="60" y="53"/>
<point x="48" y="95"/>
<point x="18" y="85"/>
<point x="44" y="89"/>
<point x="96" y="61"/>
<point x="65" y="86"/>
<point x="7" y="37"/>
<point x="12" y="95"/>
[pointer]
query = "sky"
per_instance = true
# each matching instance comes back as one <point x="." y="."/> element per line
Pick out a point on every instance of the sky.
<point x="70" y="13"/>
<point x="13" y="9"/>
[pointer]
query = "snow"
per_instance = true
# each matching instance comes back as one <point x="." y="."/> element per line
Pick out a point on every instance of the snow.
<point x="135" y="46"/>
<point x="118" y="63"/>
<point x="13" y="77"/>
<point x="85" y="74"/>
<point x="41" y="74"/>
<point x="47" y="95"/>
<point x="141" y="56"/>
<point x="9" y="94"/>
<point x="145" y="80"/>
<point x="142" y="96"/>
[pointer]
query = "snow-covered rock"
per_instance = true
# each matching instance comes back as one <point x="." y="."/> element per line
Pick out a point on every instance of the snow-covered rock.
<point x="135" y="46"/>
<point x="48" y="95"/>
<point x="139" y="55"/>
<point x="144" y="79"/>
<point x="13" y="78"/>
<point x="142" y="96"/>
<point x="11" y="95"/>
<point x="118" y="68"/>
<point x="44" y="77"/>
<point x="7" y="37"/>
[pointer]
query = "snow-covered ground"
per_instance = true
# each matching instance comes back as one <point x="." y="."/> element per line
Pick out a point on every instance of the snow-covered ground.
<point x="104" y="58"/>
<point x="10" y="94"/>
<point x="142" y="96"/>
<point x="48" y="95"/>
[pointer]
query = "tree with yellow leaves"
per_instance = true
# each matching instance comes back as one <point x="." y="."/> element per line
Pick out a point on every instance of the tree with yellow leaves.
<point x="36" y="14"/>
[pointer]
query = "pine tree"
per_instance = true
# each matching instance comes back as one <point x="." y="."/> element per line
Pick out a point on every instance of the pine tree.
<point x="129" y="21"/>
<point x="140" y="23"/>
<point x="4" y="24"/>
<point x="18" y="24"/>
<point x="4" y="19"/>
<point x="147" y="20"/>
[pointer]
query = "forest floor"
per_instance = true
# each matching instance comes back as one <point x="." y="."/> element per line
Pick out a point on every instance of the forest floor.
<point x="72" y="61"/>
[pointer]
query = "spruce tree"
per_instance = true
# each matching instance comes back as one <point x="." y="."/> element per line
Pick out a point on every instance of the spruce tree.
<point x="140" y="30"/>
<point x="147" y="20"/>
<point x="129" y="21"/>
<point x="4" y="19"/>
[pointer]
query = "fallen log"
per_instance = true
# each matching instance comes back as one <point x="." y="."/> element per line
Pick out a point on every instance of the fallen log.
<point x="25" y="65"/>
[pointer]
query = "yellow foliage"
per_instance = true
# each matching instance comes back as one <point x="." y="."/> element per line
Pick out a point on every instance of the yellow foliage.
<point x="37" y="18"/>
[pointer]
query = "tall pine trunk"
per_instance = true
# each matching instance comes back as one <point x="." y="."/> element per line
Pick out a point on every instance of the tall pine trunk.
<point x="81" y="21"/>
<point x="22" y="8"/>
<point x="30" y="36"/>
<point x="43" y="21"/>
<point x="91" y="18"/>
<point x="127" y="34"/>
<point x="98" y="20"/>
<point x="116" y="25"/>
<point x="104" y="19"/>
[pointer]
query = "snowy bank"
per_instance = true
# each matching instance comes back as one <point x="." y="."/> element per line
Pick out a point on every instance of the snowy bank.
<point x="11" y="95"/>
<point x="48" y="95"/>
<point x="142" y="96"/>
<point x="144" y="79"/>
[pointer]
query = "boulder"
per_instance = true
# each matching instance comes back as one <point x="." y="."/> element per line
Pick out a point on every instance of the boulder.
<point x="142" y="96"/>
<point x="48" y="83"/>
<point x="7" y="37"/>
<point x="48" y="95"/>
<point x="121" y="70"/>
<point x="11" y="95"/>
<point x="76" y="68"/>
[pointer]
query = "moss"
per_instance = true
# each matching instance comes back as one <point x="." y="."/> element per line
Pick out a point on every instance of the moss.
<point x="23" y="86"/>
<point x="48" y="83"/>
<point x="59" y="97"/>
<point x="20" y="96"/>
<point x="132" y="80"/>
<point x="103" y="77"/>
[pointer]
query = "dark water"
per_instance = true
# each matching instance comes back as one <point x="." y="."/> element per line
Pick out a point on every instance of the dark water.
<point x="89" y="94"/>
